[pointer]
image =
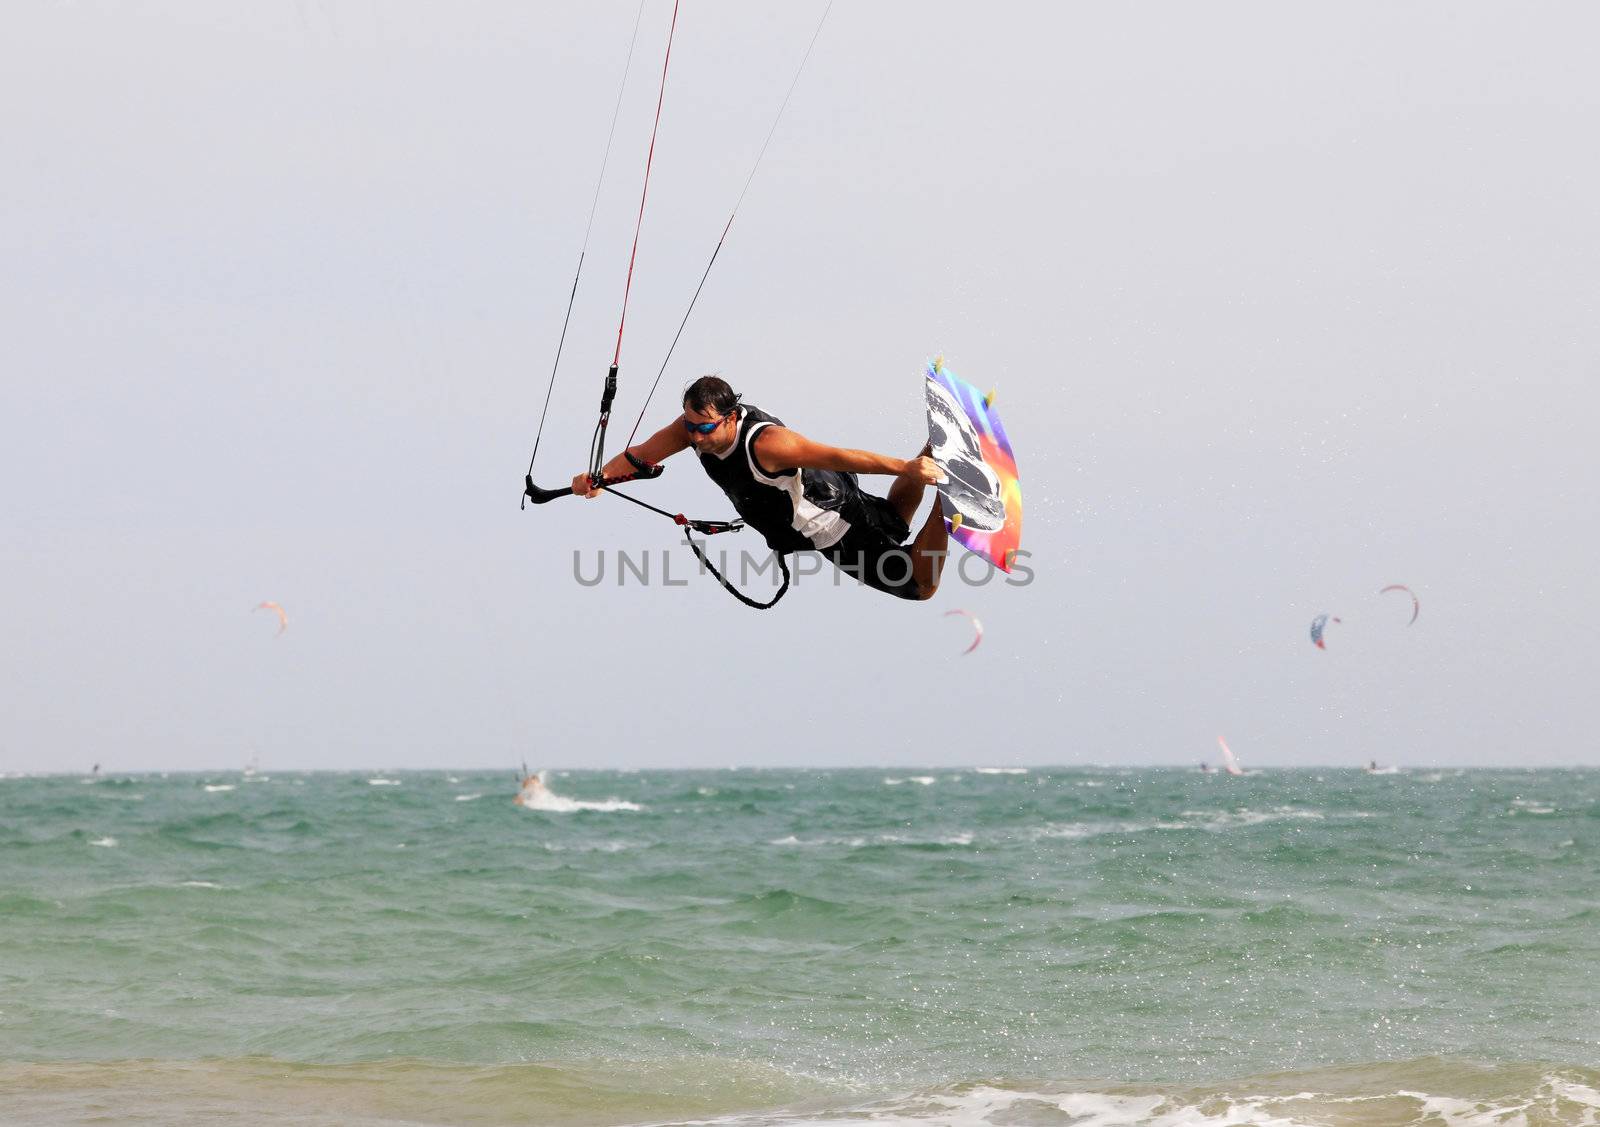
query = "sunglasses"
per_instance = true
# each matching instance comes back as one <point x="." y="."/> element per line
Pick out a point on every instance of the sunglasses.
<point x="703" y="428"/>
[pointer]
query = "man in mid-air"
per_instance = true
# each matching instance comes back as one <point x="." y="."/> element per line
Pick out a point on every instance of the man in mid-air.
<point x="801" y="495"/>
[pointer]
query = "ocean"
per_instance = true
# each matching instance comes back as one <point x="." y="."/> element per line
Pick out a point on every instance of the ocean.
<point x="1045" y="946"/>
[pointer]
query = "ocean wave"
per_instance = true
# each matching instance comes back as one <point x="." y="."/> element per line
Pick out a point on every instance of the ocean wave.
<point x="1075" y="830"/>
<point x="559" y="804"/>
<point x="14" y="905"/>
<point x="1243" y="816"/>
<point x="699" y="1090"/>
<point x="591" y="847"/>
<point x="399" y="1092"/>
<point x="1357" y="1095"/>
<point x="858" y="841"/>
<point x="1209" y="821"/>
<point x="781" y="901"/>
<point x="734" y="793"/>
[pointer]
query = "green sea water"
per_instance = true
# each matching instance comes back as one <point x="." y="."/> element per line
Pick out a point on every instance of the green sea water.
<point x="1086" y="947"/>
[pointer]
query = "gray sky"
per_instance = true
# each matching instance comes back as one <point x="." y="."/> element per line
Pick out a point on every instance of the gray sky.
<point x="1283" y="303"/>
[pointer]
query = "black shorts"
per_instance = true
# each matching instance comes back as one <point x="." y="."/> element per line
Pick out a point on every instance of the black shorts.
<point x="873" y="551"/>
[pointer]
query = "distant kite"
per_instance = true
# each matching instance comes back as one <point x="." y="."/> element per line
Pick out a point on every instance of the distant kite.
<point x="1318" y="624"/>
<point x="283" y="619"/>
<point x="976" y="626"/>
<point x="1416" y="604"/>
<point x="1230" y="762"/>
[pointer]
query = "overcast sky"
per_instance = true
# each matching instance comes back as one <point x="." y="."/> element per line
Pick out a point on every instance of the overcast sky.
<point x="1284" y="303"/>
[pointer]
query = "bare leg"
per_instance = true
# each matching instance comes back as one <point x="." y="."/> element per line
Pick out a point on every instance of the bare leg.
<point x="906" y="494"/>
<point x="928" y="551"/>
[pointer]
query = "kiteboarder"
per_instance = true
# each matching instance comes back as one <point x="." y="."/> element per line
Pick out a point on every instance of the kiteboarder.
<point x="532" y="790"/>
<point x="803" y="495"/>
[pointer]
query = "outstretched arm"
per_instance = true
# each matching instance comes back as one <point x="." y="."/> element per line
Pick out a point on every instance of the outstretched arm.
<point x="780" y="449"/>
<point x="661" y="445"/>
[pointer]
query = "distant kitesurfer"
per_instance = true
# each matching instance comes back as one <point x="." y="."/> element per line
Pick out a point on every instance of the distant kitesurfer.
<point x="533" y="788"/>
<point x="802" y="495"/>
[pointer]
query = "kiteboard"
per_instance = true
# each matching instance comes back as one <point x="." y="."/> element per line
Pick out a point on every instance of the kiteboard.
<point x="980" y="495"/>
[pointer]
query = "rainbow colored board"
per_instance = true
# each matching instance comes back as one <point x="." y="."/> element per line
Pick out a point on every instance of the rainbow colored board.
<point x="982" y="498"/>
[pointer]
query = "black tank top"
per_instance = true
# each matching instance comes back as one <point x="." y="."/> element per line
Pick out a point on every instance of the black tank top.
<point x="794" y="510"/>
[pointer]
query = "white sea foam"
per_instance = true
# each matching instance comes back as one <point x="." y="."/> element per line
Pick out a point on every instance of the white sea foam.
<point x="964" y="838"/>
<point x="1556" y="1100"/>
<point x="1073" y="830"/>
<point x="595" y="847"/>
<point x="1545" y="1104"/>
<point x="1001" y="770"/>
<point x="214" y="788"/>
<point x="1226" y="819"/>
<point x="560" y="804"/>
<point x="983" y="1106"/>
<point x="922" y="780"/>
<point x="467" y="797"/>
<point x="1210" y="821"/>
<point x="105" y="842"/>
<point x="200" y="884"/>
<point x="383" y="782"/>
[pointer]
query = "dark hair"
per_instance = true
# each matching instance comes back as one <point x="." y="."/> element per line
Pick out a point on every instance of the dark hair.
<point x="710" y="393"/>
